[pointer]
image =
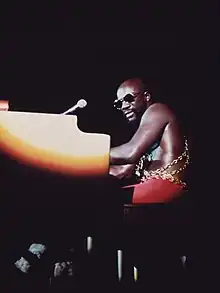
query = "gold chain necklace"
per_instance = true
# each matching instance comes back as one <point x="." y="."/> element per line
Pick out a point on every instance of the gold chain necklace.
<point x="161" y="173"/>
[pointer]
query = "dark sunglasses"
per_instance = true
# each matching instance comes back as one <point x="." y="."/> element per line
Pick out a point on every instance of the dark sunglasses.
<point x="128" y="98"/>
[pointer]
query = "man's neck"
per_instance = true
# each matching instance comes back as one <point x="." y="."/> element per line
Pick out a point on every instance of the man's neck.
<point x="133" y="126"/>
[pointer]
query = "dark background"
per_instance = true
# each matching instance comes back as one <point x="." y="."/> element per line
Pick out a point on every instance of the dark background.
<point x="53" y="55"/>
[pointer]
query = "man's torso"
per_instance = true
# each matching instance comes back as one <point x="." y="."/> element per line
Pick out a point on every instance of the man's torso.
<point x="165" y="152"/>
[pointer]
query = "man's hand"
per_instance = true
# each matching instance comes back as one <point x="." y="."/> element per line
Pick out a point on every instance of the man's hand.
<point x="122" y="171"/>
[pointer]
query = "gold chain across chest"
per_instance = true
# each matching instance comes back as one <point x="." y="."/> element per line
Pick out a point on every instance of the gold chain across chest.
<point x="143" y="174"/>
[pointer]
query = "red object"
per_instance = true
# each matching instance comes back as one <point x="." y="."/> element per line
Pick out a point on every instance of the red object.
<point x="155" y="191"/>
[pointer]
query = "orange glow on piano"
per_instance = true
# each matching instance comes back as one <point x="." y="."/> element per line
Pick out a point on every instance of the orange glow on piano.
<point x="53" y="142"/>
<point x="4" y="105"/>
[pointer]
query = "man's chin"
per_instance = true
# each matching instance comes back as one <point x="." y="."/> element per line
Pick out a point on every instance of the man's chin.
<point x="131" y="119"/>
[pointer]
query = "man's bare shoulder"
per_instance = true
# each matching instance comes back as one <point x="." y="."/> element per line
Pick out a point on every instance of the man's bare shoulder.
<point x="158" y="110"/>
<point x="160" y="107"/>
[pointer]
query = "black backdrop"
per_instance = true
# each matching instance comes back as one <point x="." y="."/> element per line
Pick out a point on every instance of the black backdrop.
<point x="52" y="55"/>
<point x="49" y="72"/>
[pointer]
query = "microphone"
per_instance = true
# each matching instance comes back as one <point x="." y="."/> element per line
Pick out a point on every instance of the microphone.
<point x="80" y="104"/>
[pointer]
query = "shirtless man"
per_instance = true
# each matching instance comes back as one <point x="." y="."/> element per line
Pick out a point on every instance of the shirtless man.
<point x="157" y="154"/>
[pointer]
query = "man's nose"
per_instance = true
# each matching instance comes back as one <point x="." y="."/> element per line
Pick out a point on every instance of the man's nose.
<point x="125" y="105"/>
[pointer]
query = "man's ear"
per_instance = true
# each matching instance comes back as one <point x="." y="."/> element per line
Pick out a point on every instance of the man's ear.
<point x="147" y="96"/>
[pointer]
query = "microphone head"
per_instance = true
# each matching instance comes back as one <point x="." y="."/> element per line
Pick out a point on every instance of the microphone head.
<point x="81" y="103"/>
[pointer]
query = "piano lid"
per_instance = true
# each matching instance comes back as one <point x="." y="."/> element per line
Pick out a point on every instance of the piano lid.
<point x="53" y="142"/>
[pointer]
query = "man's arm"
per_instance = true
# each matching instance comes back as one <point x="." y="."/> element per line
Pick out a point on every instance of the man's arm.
<point x="152" y="125"/>
<point x="122" y="171"/>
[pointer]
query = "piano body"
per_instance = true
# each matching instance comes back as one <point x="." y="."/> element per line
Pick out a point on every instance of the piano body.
<point x="46" y="160"/>
<point x="53" y="143"/>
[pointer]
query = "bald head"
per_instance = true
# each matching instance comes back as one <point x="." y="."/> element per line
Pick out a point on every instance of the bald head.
<point x="129" y="86"/>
